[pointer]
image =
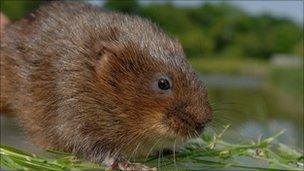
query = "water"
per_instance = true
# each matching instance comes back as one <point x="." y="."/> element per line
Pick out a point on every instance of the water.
<point x="252" y="110"/>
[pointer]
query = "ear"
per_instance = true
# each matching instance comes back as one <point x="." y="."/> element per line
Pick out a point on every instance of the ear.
<point x="106" y="54"/>
<point x="105" y="50"/>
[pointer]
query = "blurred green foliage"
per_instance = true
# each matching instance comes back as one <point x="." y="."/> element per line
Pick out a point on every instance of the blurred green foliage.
<point x="212" y="29"/>
<point x="126" y="6"/>
<point x="16" y="9"/>
<point x="223" y="30"/>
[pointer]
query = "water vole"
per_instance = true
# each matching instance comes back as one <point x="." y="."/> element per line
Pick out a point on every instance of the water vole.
<point x="102" y="84"/>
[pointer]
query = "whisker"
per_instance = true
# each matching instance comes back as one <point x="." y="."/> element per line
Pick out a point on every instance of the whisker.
<point x="196" y="133"/>
<point x="134" y="151"/>
<point x="216" y="110"/>
<point x="162" y="155"/>
<point x="126" y="142"/>
<point x="224" y="103"/>
<point x="158" y="160"/>
<point x="174" y="156"/>
<point x="188" y="136"/>
<point x="152" y="148"/>
<point x="231" y="132"/>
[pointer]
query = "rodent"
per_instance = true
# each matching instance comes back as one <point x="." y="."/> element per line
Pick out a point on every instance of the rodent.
<point x="101" y="84"/>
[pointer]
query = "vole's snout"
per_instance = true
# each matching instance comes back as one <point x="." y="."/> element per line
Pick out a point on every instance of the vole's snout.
<point x="189" y="120"/>
<point x="202" y="119"/>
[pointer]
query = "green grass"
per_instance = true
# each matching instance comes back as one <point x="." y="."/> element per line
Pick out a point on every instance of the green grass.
<point x="15" y="159"/>
<point x="209" y="152"/>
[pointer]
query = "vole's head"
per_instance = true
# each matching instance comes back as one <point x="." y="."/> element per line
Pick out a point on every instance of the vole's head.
<point x="153" y="99"/>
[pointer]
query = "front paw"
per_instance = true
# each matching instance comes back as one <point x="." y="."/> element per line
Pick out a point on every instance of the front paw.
<point x="125" y="165"/>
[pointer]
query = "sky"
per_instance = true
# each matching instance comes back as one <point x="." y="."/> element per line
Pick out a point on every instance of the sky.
<point x="292" y="9"/>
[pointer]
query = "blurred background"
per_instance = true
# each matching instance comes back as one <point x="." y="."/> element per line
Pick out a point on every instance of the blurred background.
<point x="249" y="54"/>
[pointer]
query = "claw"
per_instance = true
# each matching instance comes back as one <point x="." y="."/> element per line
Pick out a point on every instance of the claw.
<point x="126" y="165"/>
<point x="134" y="166"/>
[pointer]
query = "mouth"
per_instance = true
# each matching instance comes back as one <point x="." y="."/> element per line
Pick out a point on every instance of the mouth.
<point x="199" y="130"/>
<point x="184" y="131"/>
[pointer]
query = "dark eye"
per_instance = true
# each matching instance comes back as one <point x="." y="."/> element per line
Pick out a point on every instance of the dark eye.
<point x="163" y="84"/>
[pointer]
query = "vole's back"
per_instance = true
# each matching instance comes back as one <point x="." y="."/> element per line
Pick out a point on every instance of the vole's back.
<point x="44" y="42"/>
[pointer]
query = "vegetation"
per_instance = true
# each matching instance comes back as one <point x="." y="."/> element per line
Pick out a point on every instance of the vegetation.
<point x="212" y="29"/>
<point x="221" y="29"/>
<point x="12" y="158"/>
<point x="208" y="152"/>
<point x="234" y="66"/>
<point x="17" y="9"/>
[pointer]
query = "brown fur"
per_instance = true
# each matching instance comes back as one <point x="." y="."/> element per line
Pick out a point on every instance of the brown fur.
<point x="81" y="80"/>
